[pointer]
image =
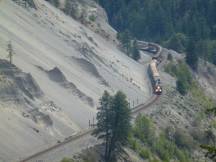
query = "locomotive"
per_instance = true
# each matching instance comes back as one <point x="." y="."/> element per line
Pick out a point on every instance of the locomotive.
<point x="155" y="77"/>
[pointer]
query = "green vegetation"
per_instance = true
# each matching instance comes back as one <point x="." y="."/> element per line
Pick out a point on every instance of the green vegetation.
<point x="177" y="42"/>
<point x="185" y="83"/>
<point x="192" y="57"/>
<point x="144" y="153"/>
<point x="130" y="47"/>
<point x="200" y="97"/>
<point x="184" y="78"/>
<point x="183" y="25"/>
<point x="54" y="2"/>
<point x="67" y="160"/>
<point x="146" y="142"/>
<point x="92" y="18"/>
<point x="70" y="9"/>
<point x="184" y="140"/>
<point x="210" y="150"/>
<point x="113" y="124"/>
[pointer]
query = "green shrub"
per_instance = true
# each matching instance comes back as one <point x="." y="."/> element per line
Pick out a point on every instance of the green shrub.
<point x="144" y="129"/>
<point x="67" y="160"/>
<point x="170" y="57"/>
<point x="182" y="156"/>
<point x="154" y="160"/>
<point x="177" y="42"/>
<point x="92" y="18"/>
<point x="134" y="144"/>
<point x="144" y="153"/>
<point x="89" y="156"/>
<point x="164" y="148"/>
<point x="184" y="140"/>
<point x="183" y="75"/>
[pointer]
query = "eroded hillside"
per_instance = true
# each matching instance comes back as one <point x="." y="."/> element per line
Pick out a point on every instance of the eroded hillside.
<point x="66" y="67"/>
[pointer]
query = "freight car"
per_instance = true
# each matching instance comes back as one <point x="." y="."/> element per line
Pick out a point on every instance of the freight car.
<point x="155" y="77"/>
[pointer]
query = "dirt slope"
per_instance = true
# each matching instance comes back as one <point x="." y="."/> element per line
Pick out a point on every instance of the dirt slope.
<point x="71" y="65"/>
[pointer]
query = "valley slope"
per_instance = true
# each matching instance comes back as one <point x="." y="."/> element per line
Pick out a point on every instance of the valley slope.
<point x="70" y="64"/>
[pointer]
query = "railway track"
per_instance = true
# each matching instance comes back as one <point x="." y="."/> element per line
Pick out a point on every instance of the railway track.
<point x="136" y="110"/>
<point x="141" y="107"/>
<point x="68" y="140"/>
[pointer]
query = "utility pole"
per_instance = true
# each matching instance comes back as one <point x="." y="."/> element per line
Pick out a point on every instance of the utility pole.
<point x="10" y="52"/>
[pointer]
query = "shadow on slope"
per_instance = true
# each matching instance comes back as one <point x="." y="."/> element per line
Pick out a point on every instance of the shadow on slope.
<point x="91" y="69"/>
<point x="57" y="76"/>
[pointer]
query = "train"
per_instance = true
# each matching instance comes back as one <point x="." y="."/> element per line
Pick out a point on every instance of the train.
<point x="155" y="77"/>
<point x="156" y="50"/>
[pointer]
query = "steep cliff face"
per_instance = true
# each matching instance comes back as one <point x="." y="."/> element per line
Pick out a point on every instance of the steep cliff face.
<point x="61" y="69"/>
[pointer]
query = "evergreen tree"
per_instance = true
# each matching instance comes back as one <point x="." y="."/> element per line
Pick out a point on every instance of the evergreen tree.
<point x="210" y="149"/>
<point x="10" y="52"/>
<point x="135" y="51"/>
<point x="104" y="119"/>
<point x="214" y="58"/>
<point x="181" y="87"/>
<point x="125" y="39"/>
<point x="177" y="42"/>
<point x="195" y="19"/>
<point x="120" y="125"/>
<point x="192" y="57"/>
<point x="113" y="124"/>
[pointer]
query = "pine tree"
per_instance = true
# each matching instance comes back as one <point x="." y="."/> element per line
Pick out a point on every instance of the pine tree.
<point x="135" y="51"/>
<point x="209" y="149"/>
<point x="113" y="124"/>
<point x="125" y="39"/>
<point x="10" y="52"/>
<point x="104" y="118"/>
<point x="214" y="57"/>
<point x="120" y="126"/>
<point x="192" y="57"/>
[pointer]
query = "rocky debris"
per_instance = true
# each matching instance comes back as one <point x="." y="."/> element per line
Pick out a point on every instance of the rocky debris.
<point x="50" y="106"/>
<point x="174" y="109"/>
<point x="41" y="118"/>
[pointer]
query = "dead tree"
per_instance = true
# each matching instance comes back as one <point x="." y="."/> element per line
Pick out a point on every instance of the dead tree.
<point x="10" y="52"/>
